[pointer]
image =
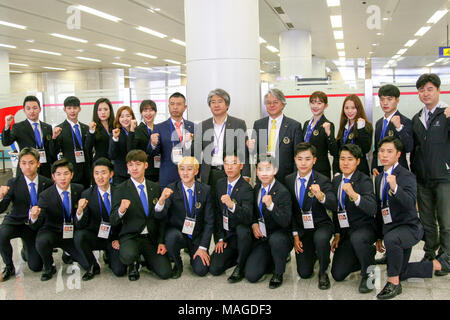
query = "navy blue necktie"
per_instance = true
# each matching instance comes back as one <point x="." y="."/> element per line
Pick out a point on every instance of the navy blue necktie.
<point x="37" y="136"/>
<point x="144" y="200"/>
<point x="230" y="187"/>
<point x="343" y="194"/>
<point x="190" y="199"/>
<point x="430" y="114"/>
<point x="383" y="131"/>
<point x="66" y="203"/>
<point x="107" y="203"/>
<point x="301" y="194"/>
<point x="33" y="194"/>
<point x="385" y="189"/>
<point x="78" y="135"/>
<point x="263" y="193"/>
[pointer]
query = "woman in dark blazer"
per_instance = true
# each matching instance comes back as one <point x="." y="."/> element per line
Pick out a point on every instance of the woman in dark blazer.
<point x="121" y="142"/>
<point x="354" y="128"/>
<point x="97" y="140"/>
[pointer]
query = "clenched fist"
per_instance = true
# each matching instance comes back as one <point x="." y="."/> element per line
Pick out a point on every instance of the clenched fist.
<point x="267" y="200"/>
<point x="396" y="122"/>
<point x="82" y="203"/>
<point x="348" y="189"/>
<point x="154" y="139"/>
<point x="327" y="127"/>
<point x="133" y="125"/>
<point x="92" y="126"/>
<point x="226" y="200"/>
<point x="167" y="192"/>
<point x="34" y="212"/>
<point x="124" y="205"/>
<point x="116" y="133"/>
<point x="392" y="180"/>
<point x="8" y="120"/>
<point x="56" y="132"/>
<point x="3" y="191"/>
<point x="315" y="189"/>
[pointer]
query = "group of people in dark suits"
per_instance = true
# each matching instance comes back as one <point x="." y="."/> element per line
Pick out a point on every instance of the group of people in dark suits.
<point x="144" y="192"/>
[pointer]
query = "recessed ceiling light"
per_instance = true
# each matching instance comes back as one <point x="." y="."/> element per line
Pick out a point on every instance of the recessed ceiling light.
<point x="152" y="32"/>
<point x="410" y="43"/>
<point x="99" y="13"/>
<point x="128" y="77"/>
<point x="422" y="31"/>
<point x="336" y="21"/>
<point x="379" y="34"/>
<point x="440" y="60"/>
<point x="89" y="59"/>
<point x="117" y="58"/>
<point x="396" y="56"/>
<point x="110" y="47"/>
<point x="386" y="19"/>
<point x="18" y="64"/>
<point x="402" y="51"/>
<point x="30" y="41"/>
<point x="15" y="71"/>
<point x="333" y="3"/>
<point x="181" y="43"/>
<point x="53" y="68"/>
<point x="62" y="36"/>
<point x="172" y="61"/>
<point x="400" y="59"/>
<point x="146" y="55"/>
<point x="12" y="25"/>
<point x="7" y="46"/>
<point x="340" y="45"/>
<point x="80" y="50"/>
<point x="261" y="40"/>
<point x="272" y="49"/>
<point x="341" y="53"/>
<point x="437" y="16"/>
<point x="342" y="59"/>
<point x="374" y="44"/>
<point x="430" y="64"/>
<point x="121" y="64"/>
<point x="144" y="68"/>
<point x="338" y="35"/>
<point x="46" y="52"/>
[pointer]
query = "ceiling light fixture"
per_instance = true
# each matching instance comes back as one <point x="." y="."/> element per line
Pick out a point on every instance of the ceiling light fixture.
<point x="338" y="35"/>
<point x="89" y="59"/>
<point x="12" y="25"/>
<point x="422" y="31"/>
<point x="410" y="43"/>
<point x="152" y="32"/>
<point x="18" y="64"/>
<point x="7" y="46"/>
<point x="146" y="55"/>
<point x="46" y="52"/>
<point x="110" y="47"/>
<point x="333" y="3"/>
<point x="437" y="16"/>
<point x="336" y="21"/>
<point x="121" y="64"/>
<point x="99" y="13"/>
<point x="62" y="36"/>
<point x="181" y="43"/>
<point x="272" y="48"/>
<point x="53" y="68"/>
<point x="172" y="61"/>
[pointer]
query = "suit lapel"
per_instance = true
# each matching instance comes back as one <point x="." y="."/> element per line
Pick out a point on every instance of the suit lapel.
<point x="283" y="129"/>
<point x="29" y="130"/>
<point x="136" y="195"/>
<point x="24" y="187"/>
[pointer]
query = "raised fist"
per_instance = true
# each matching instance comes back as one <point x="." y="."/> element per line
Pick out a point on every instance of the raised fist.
<point x="396" y="122"/>
<point x="92" y="126"/>
<point x="116" y="133"/>
<point x="3" y="191"/>
<point x="56" y="132"/>
<point x="154" y="139"/>
<point x="327" y="127"/>
<point x="124" y="205"/>
<point x="8" y="120"/>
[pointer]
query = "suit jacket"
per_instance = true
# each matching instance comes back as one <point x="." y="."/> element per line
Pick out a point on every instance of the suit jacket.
<point x="280" y="216"/>
<point x="363" y="139"/>
<point x="361" y="215"/>
<point x="95" y="212"/>
<point x="65" y="143"/>
<point x="242" y="196"/>
<point x="176" y="212"/>
<point x="289" y="136"/>
<point x="141" y="142"/>
<point x="134" y="220"/>
<point x="20" y="197"/>
<point x="319" y="210"/>
<point x="51" y="217"/>
<point x="323" y="144"/>
<point x="405" y="135"/>
<point x="402" y="205"/>
<point x="23" y="133"/>
<point x="98" y="141"/>
<point x="168" y="172"/>
<point x="232" y="141"/>
<point x="118" y="152"/>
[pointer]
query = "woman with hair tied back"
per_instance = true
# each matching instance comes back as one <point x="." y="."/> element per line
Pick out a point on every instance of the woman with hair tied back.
<point x="354" y="128"/>
<point x="100" y="128"/>
<point x="121" y="142"/>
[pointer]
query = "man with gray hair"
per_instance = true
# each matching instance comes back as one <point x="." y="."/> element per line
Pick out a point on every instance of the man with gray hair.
<point x="276" y="135"/>
<point x="221" y="134"/>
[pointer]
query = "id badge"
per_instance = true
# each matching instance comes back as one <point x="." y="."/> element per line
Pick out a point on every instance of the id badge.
<point x="386" y="213"/>
<point x="343" y="219"/>
<point x="188" y="227"/>
<point x="79" y="156"/>
<point x="177" y="154"/>
<point x="225" y="222"/>
<point x="157" y="162"/>
<point x="262" y="227"/>
<point x="308" y="222"/>
<point x="42" y="156"/>
<point x="68" y="231"/>
<point x="103" y="231"/>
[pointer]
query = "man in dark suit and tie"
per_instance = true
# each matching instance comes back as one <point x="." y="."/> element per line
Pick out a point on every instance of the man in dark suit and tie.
<point x="54" y="217"/>
<point x="270" y="225"/>
<point x="94" y="231"/>
<point x="392" y="124"/>
<point x="235" y="212"/>
<point x="172" y="140"/>
<point x="23" y="192"/>
<point x="354" y="220"/>
<point x="31" y="133"/>
<point x="398" y="223"/>
<point x="69" y="141"/>
<point x="276" y="135"/>
<point x="312" y="227"/>
<point x="142" y="231"/>
<point x="187" y="206"/>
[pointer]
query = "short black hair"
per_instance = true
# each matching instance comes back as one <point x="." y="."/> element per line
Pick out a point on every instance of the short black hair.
<point x="103" y="162"/>
<point x="391" y="139"/>
<point x="354" y="149"/>
<point x="31" y="98"/>
<point x="269" y="159"/>
<point x="29" y="151"/>
<point x="63" y="162"/>
<point x="72" y="101"/>
<point x="305" y="146"/>
<point x="388" y="90"/>
<point x="147" y="103"/>
<point x="136" y="155"/>
<point x="428" y="77"/>
<point x="177" y="95"/>
<point x="233" y="153"/>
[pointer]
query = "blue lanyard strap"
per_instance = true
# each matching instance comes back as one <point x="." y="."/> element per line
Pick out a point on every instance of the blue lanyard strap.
<point x="125" y="131"/>
<point x="310" y="130"/>
<point x="260" y="201"/>
<point x="194" y="205"/>
<point x="100" y="204"/>
<point x="298" y="192"/>
<point x="73" y="138"/>
<point x="346" y="133"/>
<point x="217" y="138"/>
<point x="149" y="131"/>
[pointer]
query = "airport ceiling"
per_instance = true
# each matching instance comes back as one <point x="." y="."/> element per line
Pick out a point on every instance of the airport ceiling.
<point x="46" y="21"/>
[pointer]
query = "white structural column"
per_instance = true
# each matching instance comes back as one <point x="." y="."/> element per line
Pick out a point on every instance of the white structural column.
<point x="222" y="51"/>
<point x="295" y="54"/>
<point x="5" y="85"/>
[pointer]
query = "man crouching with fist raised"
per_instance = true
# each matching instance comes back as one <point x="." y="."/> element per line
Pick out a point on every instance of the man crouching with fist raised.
<point x="141" y="233"/>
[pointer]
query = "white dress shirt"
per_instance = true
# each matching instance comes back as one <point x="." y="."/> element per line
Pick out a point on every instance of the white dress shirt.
<point x="278" y="122"/>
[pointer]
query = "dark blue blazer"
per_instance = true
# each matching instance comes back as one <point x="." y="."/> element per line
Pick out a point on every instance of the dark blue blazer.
<point x="168" y="138"/>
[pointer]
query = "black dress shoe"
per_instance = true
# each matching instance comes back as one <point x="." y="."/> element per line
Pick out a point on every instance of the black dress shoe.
<point x="444" y="260"/>
<point x="389" y="291"/>
<point x="67" y="259"/>
<point x="276" y="281"/>
<point x="363" y="287"/>
<point x="324" y="281"/>
<point x="236" y="276"/>
<point x="7" y="273"/>
<point x="176" y="272"/>
<point x="440" y="273"/>
<point x="48" y="274"/>
<point x="382" y="260"/>
<point x="133" y="272"/>
<point x="95" y="269"/>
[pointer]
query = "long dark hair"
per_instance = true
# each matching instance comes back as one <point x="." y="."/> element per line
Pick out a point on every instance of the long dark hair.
<point x="97" y="120"/>
<point x="360" y="113"/>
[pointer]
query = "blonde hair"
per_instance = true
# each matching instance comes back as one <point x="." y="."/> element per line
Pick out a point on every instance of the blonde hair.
<point x="189" y="161"/>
